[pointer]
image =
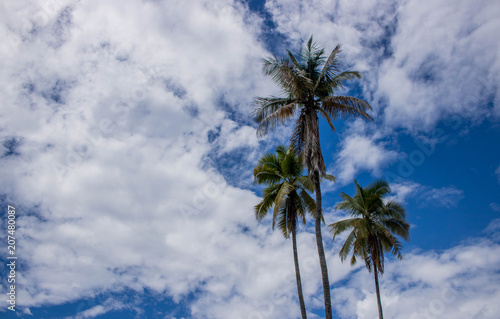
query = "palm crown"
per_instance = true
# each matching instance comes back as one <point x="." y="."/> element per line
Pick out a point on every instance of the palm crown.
<point x="375" y="225"/>
<point x="374" y="228"/>
<point x="309" y="82"/>
<point x="286" y="189"/>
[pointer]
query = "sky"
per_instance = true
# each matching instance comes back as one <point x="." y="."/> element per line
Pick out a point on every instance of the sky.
<point x="127" y="147"/>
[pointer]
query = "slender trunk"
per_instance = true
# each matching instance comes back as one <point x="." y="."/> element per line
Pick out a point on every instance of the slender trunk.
<point x="315" y="164"/>
<point x="297" y="276"/>
<point x="377" y="289"/>
<point x="321" y="252"/>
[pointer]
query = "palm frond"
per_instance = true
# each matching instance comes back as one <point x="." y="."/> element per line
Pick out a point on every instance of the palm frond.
<point x="267" y="202"/>
<point x="333" y="82"/>
<point x="268" y="171"/>
<point x="282" y="220"/>
<point x="311" y="57"/>
<point x="329" y="177"/>
<point x="330" y="64"/>
<point x="269" y="161"/>
<point x="266" y="178"/>
<point x="361" y="198"/>
<point x="390" y="243"/>
<point x="294" y="60"/>
<point x="398" y="227"/>
<point x="265" y="106"/>
<point x="292" y="80"/>
<point x="347" y="246"/>
<point x="341" y="226"/>
<point x="309" y="203"/>
<point x="395" y="210"/>
<point x="342" y="107"/>
<point x="350" y="205"/>
<point x="280" y="116"/>
<point x="306" y="183"/>
<point x="379" y="188"/>
<point x="291" y="165"/>
<point x="301" y="207"/>
<point x="284" y="190"/>
<point x="298" y="135"/>
<point x="327" y="118"/>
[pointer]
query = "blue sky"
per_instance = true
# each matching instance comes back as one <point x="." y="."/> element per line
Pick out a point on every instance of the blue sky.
<point x="127" y="148"/>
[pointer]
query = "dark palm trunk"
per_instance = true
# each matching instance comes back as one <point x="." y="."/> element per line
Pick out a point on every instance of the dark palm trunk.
<point x="315" y="164"/>
<point x="321" y="252"/>
<point x="377" y="289"/>
<point x="297" y="276"/>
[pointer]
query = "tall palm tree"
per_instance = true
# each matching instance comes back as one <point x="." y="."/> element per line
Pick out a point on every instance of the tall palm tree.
<point x="286" y="191"/>
<point x="309" y="81"/>
<point x="374" y="227"/>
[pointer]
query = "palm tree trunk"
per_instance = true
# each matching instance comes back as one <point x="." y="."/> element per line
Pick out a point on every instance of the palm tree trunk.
<point x="377" y="289"/>
<point x="321" y="252"/>
<point x="297" y="276"/>
<point x="315" y="164"/>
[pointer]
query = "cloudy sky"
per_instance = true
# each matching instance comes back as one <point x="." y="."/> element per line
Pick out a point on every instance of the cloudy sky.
<point x="127" y="148"/>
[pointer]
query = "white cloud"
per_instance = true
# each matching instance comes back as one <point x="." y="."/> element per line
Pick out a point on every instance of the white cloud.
<point x="27" y="311"/>
<point x="233" y="137"/>
<point x="497" y="171"/>
<point x="404" y="190"/>
<point x="445" y="197"/>
<point x="346" y="22"/>
<point x="95" y="311"/>
<point x="419" y="67"/>
<point x="457" y="283"/>
<point x="493" y="226"/>
<point x="360" y="153"/>
<point x="493" y="229"/>
<point x="447" y="59"/>
<point x="112" y="103"/>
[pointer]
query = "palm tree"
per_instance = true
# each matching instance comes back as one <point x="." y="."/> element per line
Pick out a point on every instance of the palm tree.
<point x="287" y="191"/>
<point x="374" y="227"/>
<point x="309" y="81"/>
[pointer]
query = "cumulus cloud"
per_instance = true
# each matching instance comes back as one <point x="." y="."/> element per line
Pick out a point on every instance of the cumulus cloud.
<point x="439" y="61"/>
<point x="361" y="153"/>
<point x="105" y="133"/>
<point x="459" y="282"/>
<point x="420" y="68"/>
<point x="234" y="137"/>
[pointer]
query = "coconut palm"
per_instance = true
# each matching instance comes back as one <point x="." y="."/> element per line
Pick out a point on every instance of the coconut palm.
<point x="286" y="193"/>
<point x="309" y="81"/>
<point x="375" y="226"/>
